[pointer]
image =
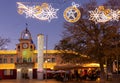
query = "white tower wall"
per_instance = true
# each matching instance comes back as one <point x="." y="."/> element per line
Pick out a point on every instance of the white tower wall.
<point x="40" y="44"/>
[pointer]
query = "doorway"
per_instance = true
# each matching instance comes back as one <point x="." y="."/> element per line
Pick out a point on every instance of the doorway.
<point x="24" y="72"/>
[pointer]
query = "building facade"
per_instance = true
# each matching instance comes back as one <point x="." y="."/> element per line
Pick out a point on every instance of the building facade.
<point x="22" y="62"/>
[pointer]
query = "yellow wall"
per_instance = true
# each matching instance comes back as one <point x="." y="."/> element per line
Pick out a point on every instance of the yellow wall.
<point x="35" y="51"/>
<point x="46" y="65"/>
<point x="48" y="51"/>
<point x="9" y="52"/>
<point x="7" y="66"/>
<point x="14" y="52"/>
<point x="12" y="66"/>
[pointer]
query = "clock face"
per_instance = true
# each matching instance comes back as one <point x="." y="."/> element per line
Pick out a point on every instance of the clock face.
<point x="25" y="45"/>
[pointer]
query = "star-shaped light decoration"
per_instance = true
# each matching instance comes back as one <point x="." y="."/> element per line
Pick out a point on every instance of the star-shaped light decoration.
<point x="115" y="15"/>
<point x="30" y="11"/>
<point x="43" y="12"/>
<point x="98" y="16"/>
<point x="50" y="13"/>
<point x="71" y="14"/>
<point x="94" y="15"/>
<point x="101" y="15"/>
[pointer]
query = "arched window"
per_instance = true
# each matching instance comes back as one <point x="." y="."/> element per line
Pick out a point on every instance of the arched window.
<point x="31" y="47"/>
<point x="24" y="60"/>
<point x="29" y="59"/>
<point x="18" y="47"/>
<point x="26" y="34"/>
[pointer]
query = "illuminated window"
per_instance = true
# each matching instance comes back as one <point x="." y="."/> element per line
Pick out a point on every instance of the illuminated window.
<point x="44" y="59"/>
<point x="26" y="36"/>
<point x="48" y="60"/>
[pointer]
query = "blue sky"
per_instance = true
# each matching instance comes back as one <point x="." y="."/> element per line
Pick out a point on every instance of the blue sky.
<point x="12" y="23"/>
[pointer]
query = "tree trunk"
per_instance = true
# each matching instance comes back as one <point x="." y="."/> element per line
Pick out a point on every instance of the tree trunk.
<point x="102" y="72"/>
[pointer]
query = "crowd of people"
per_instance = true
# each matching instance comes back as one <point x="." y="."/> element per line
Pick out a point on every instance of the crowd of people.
<point x="77" y="75"/>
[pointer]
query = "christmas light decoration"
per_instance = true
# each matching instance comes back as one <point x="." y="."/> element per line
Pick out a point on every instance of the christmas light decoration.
<point x="48" y="13"/>
<point x="75" y="5"/>
<point x="72" y="13"/>
<point x="43" y="12"/>
<point x="100" y="15"/>
<point x="115" y="15"/>
<point x="30" y="11"/>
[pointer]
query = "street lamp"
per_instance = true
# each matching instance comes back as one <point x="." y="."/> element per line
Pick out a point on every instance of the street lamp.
<point x="46" y="57"/>
<point x="46" y="61"/>
<point x="46" y="70"/>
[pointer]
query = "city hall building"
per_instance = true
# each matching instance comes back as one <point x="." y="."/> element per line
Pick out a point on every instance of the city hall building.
<point x="21" y="62"/>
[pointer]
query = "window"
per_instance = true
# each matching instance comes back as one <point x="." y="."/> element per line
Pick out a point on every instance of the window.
<point x="6" y="72"/>
<point x="29" y="60"/>
<point x="48" y="60"/>
<point x="18" y="48"/>
<point x="0" y="60"/>
<point x="17" y="60"/>
<point x="53" y="59"/>
<point x="26" y="36"/>
<point x="24" y="60"/>
<point x="5" y="60"/>
<point x="11" y="72"/>
<point x="31" y="47"/>
<point x="11" y="60"/>
<point x="44" y="59"/>
<point x="36" y="60"/>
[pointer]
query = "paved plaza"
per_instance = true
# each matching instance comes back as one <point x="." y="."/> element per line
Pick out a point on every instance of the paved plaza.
<point x="52" y="81"/>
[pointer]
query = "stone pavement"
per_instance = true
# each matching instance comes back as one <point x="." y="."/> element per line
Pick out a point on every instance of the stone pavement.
<point x="30" y="81"/>
<point x="52" y="81"/>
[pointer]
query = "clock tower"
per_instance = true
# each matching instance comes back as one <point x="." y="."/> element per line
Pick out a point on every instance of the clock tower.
<point x="25" y="56"/>
<point x="26" y="47"/>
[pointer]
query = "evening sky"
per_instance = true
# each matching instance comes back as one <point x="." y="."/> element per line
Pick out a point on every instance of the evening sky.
<point x="12" y="23"/>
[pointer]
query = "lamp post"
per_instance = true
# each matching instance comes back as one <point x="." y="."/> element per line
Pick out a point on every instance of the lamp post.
<point x="117" y="61"/>
<point x="46" y="44"/>
<point x="46" y="70"/>
<point x="46" y="58"/>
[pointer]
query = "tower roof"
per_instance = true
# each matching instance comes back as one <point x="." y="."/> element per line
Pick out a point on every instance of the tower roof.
<point x="26" y="34"/>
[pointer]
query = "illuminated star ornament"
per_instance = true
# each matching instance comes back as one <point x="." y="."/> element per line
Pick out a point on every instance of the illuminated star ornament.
<point x="49" y="13"/>
<point x="30" y="12"/>
<point x="115" y="15"/>
<point x="101" y="15"/>
<point x="72" y="13"/>
<point x="40" y="12"/>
